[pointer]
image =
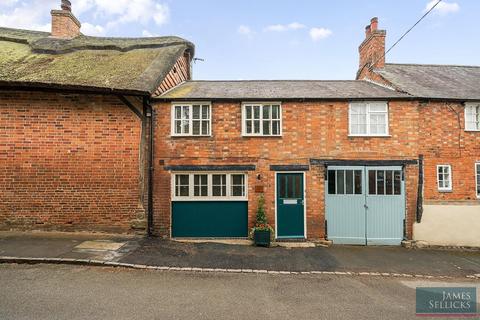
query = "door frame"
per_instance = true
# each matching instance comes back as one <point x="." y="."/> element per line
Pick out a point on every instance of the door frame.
<point x="304" y="201"/>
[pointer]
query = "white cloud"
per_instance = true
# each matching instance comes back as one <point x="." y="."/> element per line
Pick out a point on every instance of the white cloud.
<point x="320" y="33"/>
<point x="128" y="11"/>
<point x="148" y="34"/>
<point x="245" y="30"/>
<point x="27" y="15"/>
<point x="7" y="3"/>
<point x="92" y="30"/>
<point x="443" y="7"/>
<point x="34" y="14"/>
<point x="285" y="27"/>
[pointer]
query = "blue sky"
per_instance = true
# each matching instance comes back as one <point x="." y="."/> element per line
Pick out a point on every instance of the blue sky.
<point x="275" y="39"/>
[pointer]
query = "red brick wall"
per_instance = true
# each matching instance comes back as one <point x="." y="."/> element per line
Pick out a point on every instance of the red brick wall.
<point x="68" y="162"/>
<point x="64" y="24"/>
<point x="310" y="130"/>
<point x="445" y="141"/>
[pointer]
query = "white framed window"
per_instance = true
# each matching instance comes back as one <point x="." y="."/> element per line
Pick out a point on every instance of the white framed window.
<point x="477" y="178"/>
<point x="238" y="185"/>
<point x="261" y="119"/>
<point x="444" y="177"/>
<point x="472" y="116"/>
<point x="191" y="119"/>
<point x="198" y="186"/>
<point x="182" y="185"/>
<point x="368" y="119"/>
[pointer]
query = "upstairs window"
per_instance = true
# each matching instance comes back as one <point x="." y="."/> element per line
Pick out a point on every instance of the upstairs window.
<point x="261" y="119"/>
<point x="191" y="119"/>
<point x="472" y="117"/>
<point x="368" y="119"/>
<point x="444" y="177"/>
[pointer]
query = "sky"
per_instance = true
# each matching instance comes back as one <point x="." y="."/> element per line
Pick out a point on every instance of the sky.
<point x="275" y="39"/>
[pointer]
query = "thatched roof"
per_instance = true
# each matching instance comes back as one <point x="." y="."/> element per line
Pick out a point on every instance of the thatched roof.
<point x="280" y="90"/>
<point x="130" y="65"/>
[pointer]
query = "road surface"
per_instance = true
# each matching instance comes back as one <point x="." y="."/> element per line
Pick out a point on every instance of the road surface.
<point x="75" y="292"/>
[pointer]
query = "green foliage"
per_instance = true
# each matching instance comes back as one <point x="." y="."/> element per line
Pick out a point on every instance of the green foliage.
<point x="261" y="217"/>
<point x="261" y="223"/>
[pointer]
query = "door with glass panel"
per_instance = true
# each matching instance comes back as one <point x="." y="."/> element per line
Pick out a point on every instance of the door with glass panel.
<point x="345" y="205"/>
<point x="385" y="201"/>
<point x="365" y="205"/>
<point x="290" y="221"/>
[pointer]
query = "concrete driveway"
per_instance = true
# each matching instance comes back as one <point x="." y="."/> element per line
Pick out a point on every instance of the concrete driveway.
<point x="72" y="292"/>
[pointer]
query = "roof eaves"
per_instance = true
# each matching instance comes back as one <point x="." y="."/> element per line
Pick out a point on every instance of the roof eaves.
<point x="40" y="86"/>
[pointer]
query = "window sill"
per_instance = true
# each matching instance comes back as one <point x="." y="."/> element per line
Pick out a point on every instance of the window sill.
<point x="472" y="130"/>
<point x="369" y="136"/>
<point x="261" y="136"/>
<point x="190" y="136"/>
<point x="195" y="199"/>
<point x="445" y="191"/>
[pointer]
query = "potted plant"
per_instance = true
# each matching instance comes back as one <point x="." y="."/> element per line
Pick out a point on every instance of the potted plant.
<point x="262" y="231"/>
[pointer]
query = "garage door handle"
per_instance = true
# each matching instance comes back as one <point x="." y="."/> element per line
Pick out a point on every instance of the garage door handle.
<point x="365" y="206"/>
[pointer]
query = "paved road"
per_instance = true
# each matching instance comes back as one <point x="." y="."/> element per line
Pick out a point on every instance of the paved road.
<point x="73" y="292"/>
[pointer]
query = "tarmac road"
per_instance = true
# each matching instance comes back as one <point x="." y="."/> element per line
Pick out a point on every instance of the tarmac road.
<point x="75" y="292"/>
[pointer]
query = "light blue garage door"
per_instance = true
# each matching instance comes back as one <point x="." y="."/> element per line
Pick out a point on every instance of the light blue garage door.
<point x="365" y="205"/>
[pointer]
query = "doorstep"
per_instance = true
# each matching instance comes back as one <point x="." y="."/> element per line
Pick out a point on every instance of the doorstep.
<point x="295" y="244"/>
<point x="246" y="242"/>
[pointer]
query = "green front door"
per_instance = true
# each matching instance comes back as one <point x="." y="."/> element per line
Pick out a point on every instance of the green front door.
<point x="290" y="221"/>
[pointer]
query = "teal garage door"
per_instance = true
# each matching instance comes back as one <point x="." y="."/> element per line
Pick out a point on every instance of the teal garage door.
<point x="365" y="205"/>
<point x="213" y="219"/>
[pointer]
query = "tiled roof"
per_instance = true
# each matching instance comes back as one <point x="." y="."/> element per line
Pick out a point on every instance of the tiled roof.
<point x="280" y="89"/>
<point x="434" y="81"/>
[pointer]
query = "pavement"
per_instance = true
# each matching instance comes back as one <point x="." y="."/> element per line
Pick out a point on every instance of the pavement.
<point x="157" y="252"/>
<point x="79" y="292"/>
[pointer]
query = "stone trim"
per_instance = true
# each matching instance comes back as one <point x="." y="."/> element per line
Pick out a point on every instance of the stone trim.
<point x="247" y="167"/>
<point x="293" y="167"/>
<point x="87" y="262"/>
<point x="67" y="14"/>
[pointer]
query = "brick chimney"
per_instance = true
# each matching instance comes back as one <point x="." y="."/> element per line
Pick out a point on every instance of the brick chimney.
<point x="64" y="23"/>
<point x="372" y="49"/>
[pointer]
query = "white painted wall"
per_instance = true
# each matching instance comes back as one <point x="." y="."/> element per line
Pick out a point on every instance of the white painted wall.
<point x="449" y="225"/>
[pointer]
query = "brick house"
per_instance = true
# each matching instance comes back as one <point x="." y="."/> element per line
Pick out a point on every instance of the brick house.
<point x="390" y="156"/>
<point x="334" y="159"/>
<point x="74" y="125"/>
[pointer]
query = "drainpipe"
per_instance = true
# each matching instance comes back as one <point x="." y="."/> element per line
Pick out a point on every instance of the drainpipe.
<point x="420" y="189"/>
<point x="148" y="112"/>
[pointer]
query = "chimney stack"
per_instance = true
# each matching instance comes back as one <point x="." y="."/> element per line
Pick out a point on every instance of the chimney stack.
<point x="372" y="49"/>
<point x="64" y="24"/>
<point x="374" y="24"/>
